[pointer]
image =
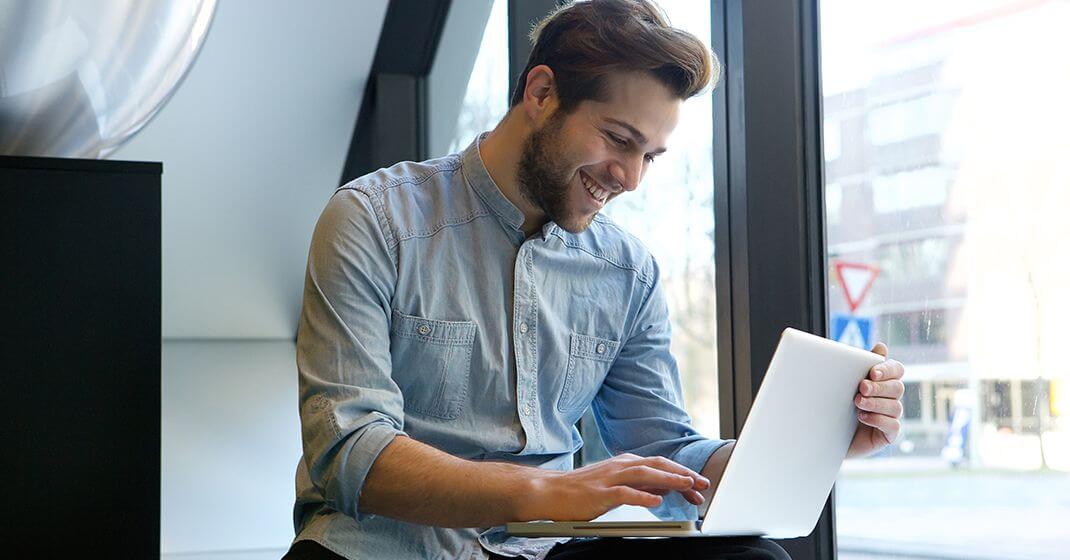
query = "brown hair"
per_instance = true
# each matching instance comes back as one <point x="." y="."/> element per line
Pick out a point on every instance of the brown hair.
<point x="584" y="41"/>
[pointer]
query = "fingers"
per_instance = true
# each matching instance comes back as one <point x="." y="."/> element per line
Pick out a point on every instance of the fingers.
<point x="693" y="496"/>
<point x="621" y="495"/>
<point x="643" y="476"/>
<point x="892" y="389"/>
<point x="662" y="464"/>
<point x="656" y="476"/>
<point x="879" y="394"/>
<point x="888" y="426"/>
<point x="886" y="370"/>
<point x="888" y="407"/>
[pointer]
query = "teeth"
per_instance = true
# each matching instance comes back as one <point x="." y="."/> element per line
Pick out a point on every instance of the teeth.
<point x="597" y="192"/>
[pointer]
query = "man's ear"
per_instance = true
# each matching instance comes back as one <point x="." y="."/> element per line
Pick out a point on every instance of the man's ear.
<point x="540" y="93"/>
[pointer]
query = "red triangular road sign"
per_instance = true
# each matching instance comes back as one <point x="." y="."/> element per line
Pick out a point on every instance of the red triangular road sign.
<point x="856" y="279"/>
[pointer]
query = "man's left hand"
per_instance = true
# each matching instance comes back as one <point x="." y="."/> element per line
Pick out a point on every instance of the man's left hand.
<point x="878" y="406"/>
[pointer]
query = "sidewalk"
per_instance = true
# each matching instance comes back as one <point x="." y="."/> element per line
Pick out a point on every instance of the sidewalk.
<point x="910" y="508"/>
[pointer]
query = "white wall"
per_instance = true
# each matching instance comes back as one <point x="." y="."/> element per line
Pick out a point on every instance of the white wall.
<point x="230" y="443"/>
<point x="252" y="144"/>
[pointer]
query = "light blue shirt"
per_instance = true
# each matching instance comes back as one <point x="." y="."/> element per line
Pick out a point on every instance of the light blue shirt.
<point x="428" y="313"/>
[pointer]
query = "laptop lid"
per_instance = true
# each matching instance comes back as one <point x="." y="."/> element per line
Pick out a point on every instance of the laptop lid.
<point x="794" y="440"/>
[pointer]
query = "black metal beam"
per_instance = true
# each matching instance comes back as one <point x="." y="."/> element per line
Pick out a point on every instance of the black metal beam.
<point x="727" y="107"/>
<point x="391" y="125"/>
<point x="768" y="202"/>
<point x="523" y="15"/>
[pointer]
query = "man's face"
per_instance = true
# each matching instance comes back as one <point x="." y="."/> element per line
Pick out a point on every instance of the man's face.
<point x="575" y="163"/>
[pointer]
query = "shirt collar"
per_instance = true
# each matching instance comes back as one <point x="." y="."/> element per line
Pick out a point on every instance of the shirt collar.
<point x="476" y="175"/>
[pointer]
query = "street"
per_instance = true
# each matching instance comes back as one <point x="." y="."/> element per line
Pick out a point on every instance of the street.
<point x="927" y="512"/>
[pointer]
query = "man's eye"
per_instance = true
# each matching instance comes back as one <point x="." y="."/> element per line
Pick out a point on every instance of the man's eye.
<point x="649" y="158"/>
<point x="618" y="140"/>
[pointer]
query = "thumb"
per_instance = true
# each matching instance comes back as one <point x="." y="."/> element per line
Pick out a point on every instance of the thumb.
<point x="881" y="349"/>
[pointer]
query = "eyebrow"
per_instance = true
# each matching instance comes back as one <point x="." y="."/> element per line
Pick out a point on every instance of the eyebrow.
<point x="637" y="136"/>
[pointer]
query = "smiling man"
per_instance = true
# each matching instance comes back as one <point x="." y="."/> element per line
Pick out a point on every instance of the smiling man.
<point x="461" y="314"/>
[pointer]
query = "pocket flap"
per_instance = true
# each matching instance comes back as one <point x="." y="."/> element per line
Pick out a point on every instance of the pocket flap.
<point x="433" y="330"/>
<point x="601" y="349"/>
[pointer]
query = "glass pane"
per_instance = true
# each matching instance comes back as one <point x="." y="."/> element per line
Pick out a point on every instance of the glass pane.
<point x="672" y="213"/>
<point x="945" y="149"/>
<point x="486" y="98"/>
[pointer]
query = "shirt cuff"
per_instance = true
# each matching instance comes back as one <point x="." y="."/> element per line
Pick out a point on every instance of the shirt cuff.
<point x="693" y="456"/>
<point x="373" y="439"/>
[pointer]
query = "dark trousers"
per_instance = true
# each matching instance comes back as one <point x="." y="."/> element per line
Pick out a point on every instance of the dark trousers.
<point x="698" y="548"/>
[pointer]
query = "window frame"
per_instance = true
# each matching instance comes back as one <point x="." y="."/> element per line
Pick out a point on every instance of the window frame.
<point x="392" y="124"/>
<point x="770" y="246"/>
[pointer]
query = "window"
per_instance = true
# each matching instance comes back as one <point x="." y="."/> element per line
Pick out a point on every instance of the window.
<point x="467" y="87"/>
<point x="486" y="98"/>
<point x="903" y="120"/>
<point x="898" y="330"/>
<point x="833" y="202"/>
<point x="912" y="402"/>
<point x="912" y="261"/>
<point x="915" y="327"/>
<point x="964" y="102"/>
<point x="905" y="190"/>
<point x="672" y="213"/>
<point x="832" y="140"/>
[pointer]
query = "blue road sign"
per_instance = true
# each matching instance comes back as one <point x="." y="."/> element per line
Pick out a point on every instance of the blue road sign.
<point x="853" y="330"/>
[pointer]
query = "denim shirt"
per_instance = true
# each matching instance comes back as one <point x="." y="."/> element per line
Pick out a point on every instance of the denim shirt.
<point x="428" y="313"/>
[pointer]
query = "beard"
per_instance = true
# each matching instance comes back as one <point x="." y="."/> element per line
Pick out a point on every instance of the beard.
<point x="543" y="175"/>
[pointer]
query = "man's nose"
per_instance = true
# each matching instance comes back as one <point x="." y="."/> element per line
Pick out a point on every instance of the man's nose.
<point x="628" y="173"/>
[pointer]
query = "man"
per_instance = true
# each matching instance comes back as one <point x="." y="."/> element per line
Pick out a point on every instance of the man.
<point x="460" y="314"/>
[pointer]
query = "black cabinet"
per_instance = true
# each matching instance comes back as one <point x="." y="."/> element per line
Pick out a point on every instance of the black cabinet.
<point x="80" y="357"/>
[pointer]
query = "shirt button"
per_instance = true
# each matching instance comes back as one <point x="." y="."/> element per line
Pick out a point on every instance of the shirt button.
<point x="523" y="328"/>
<point x="601" y="349"/>
<point x="424" y="329"/>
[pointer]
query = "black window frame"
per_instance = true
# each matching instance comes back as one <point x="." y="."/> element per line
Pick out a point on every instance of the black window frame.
<point x="770" y="243"/>
<point x="392" y="122"/>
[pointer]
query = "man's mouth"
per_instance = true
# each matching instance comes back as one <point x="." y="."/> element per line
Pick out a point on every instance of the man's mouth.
<point x="597" y="192"/>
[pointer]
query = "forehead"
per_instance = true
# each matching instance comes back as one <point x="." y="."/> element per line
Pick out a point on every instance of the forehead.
<point x="641" y="101"/>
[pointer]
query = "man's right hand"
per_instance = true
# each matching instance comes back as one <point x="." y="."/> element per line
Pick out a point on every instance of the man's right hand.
<point x="588" y="492"/>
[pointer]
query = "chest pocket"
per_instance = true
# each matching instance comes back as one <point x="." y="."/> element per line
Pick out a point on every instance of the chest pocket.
<point x="589" y="359"/>
<point x="431" y="362"/>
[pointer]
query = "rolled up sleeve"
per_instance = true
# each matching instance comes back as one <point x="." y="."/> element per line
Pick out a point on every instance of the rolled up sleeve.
<point x="350" y="407"/>
<point x="639" y="408"/>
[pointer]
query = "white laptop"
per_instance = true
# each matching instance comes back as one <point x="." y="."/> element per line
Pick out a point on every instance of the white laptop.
<point x="784" y="463"/>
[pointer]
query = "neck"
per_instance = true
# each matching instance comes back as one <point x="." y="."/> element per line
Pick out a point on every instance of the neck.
<point x="501" y="151"/>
